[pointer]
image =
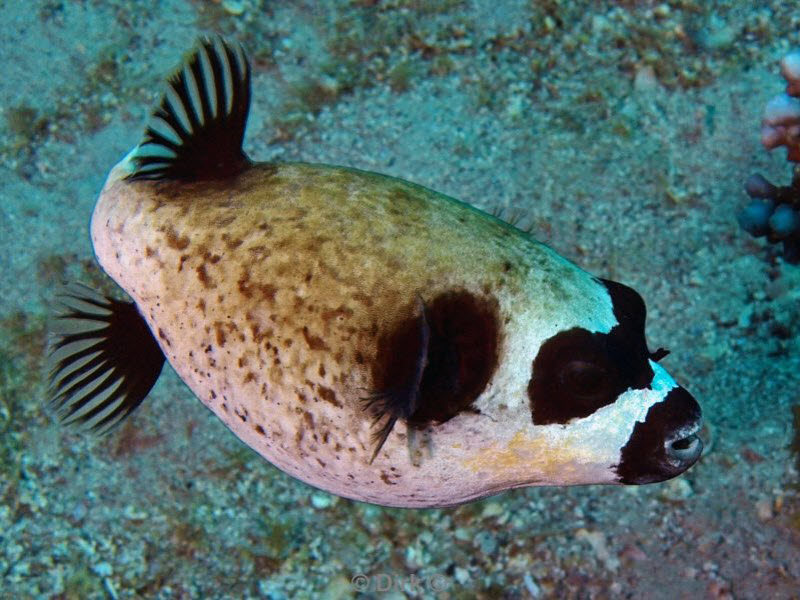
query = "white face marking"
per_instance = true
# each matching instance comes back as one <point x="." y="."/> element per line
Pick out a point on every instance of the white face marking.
<point x="595" y="441"/>
<point x="609" y="428"/>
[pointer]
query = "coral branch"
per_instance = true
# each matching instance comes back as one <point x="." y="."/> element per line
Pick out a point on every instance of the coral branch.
<point x="774" y="211"/>
<point x="781" y="125"/>
<point x="790" y="70"/>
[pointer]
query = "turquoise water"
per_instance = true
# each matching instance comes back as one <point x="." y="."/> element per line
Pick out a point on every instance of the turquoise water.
<point x="621" y="134"/>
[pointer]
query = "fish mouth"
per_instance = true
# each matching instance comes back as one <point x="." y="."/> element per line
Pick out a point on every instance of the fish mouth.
<point x="666" y="443"/>
<point x="684" y="447"/>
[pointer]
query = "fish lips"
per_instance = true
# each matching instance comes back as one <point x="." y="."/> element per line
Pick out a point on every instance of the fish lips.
<point x="666" y="443"/>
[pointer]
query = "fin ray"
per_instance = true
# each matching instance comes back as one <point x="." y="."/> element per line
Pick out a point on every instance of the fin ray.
<point x="103" y="360"/>
<point x="88" y="396"/>
<point x="402" y="402"/>
<point x="206" y="109"/>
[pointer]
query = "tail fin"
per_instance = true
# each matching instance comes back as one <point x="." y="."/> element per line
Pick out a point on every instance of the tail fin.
<point x="196" y="133"/>
<point x="102" y="358"/>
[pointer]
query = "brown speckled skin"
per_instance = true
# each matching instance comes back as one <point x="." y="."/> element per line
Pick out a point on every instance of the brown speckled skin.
<point x="268" y="293"/>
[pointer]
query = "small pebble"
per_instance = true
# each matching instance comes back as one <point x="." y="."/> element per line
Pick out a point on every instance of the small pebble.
<point x="492" y="509"/>
<point x="233" y="7"/>
<point x="662" y="11"/>
<point x="533" y="589"/>
<point x="486" y="542"/>
<point x="338" y="588"/>
<point x="597" y="541"/>
<point x="321" y="501"/>
<point x="102" y="569"/>
<point x="645" y="80"/>
<point x="764" y="509"/>
<point x="134" y="514"/>
<point x="677" y="489"/>
<point x="79" y="511"/>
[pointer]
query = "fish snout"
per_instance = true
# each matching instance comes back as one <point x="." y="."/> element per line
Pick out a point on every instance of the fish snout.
<point x="666" y="443"/>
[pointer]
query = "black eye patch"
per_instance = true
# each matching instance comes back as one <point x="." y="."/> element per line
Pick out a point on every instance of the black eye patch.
<point x="577" y="372"/>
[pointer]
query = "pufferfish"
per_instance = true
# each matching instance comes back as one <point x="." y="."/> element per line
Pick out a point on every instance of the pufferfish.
<point x="366" y="335"/>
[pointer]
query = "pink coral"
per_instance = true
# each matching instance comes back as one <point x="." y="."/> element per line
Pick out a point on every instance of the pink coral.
<point x="790" y="69"/>
<point x="781" y="123"/>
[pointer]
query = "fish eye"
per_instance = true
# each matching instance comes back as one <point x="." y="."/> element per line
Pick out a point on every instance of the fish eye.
<point x="574" y="374"/>
<point x="585" y="380"/>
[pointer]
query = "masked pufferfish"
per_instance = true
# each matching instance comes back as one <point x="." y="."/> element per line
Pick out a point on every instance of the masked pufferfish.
<point x="366" y="335"/>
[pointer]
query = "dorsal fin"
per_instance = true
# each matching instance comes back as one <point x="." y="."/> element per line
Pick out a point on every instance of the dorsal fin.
<point x="196" y="132"/>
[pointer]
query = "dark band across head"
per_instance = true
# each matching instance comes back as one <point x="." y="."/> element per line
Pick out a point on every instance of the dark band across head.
<point x="196" y="132"/>
<point x="577" y="372"/>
